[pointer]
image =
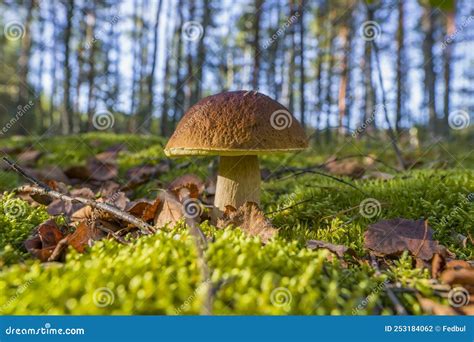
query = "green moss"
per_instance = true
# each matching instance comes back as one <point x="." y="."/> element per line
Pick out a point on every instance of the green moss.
<point x="17" y="220"/>
<point x="159" y="274"/>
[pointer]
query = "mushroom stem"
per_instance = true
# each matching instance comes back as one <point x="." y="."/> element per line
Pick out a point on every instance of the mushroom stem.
<point x="238" y="181"/>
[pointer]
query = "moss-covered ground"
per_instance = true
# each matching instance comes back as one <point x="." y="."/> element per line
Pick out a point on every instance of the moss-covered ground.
<point x="159" y="274"/>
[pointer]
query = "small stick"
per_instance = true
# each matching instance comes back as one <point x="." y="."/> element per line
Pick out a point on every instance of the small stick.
<point x="329" y="176"/>
<point x="289" y="207"/>
<point x="200" y="243"/>
<point x="393" y="298"/>
<point x="113" y="234"/>
<point x="43" y="189"/>
<point x="143" y="226"/>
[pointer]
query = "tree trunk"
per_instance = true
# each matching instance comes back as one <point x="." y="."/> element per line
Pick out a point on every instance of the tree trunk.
<point x="256" y="44"/>
<point x="23" y="68"/>
<point x="164" y="120"/>
<point x="400" y="66"/>
<point x="344" y="35"/>
<point x="447" y="57"/>
<point x="91" y="73"/>
<point x="67" y="113"/>
<point x="427" y="23"/>
<point x="178" y="107"/>
<point x="136" y="45"/>
<point x="151" y="77"/>
<point x="201" y="54"/>
<point x="369" y="95"/>
<point x="302" y="67"/>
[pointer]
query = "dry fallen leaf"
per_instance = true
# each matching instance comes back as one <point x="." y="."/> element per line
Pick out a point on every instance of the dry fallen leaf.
<point x="84" y="236"/>
<point x="437" y="264"/>
<point x="392" y="237"/>
<point x="151" y="212"/>
<point x="339" y="250"/>
<point x="45" y="239"/>
<point x="169" y="212"/>
<point x="432" y="308"/>
<point x="29" y="157"/>
<point x="141" y="174"/>
<point x="187" y="186"/>
<point x="463" y="276"/>
<point x="250" y="219"/>
<point x="102" y="167"/>
<point x="346" y="167"/>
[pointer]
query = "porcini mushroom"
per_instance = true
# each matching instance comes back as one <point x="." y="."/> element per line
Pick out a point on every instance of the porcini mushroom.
<point x="237" y="126"/>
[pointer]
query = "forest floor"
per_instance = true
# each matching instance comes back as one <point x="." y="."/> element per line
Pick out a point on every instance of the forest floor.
<point x="323" y="259"/>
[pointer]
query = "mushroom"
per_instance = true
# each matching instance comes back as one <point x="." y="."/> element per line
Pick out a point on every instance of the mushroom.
<point x="237" y="126"/>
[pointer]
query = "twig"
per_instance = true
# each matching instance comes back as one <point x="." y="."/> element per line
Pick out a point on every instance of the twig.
<point x="23" y="173"/>
<point x="289" y="207"/>
<point x="320" y="166"/>
<point x="391" y="133"/>
<point x="144" y="227"/>
<point x="113" y="234"/>
<point x="422" y="241"/>
<point x="329" y="176"/>
<point x="43" y="189"/>
<point x="199" y="242"/>
<point x="399" y="308"/>
<point x="62" y="244"/>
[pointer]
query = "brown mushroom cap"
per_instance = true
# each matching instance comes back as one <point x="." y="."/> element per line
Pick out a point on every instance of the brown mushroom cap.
<point x="235" y="123"/>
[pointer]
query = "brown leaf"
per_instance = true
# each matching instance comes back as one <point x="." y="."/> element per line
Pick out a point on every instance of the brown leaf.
<point x="187" y="186"/>
<point x="78" y="172"/>
<point x="84" y="236"/>
<point x="29" y="157"/>
<point x="45" y="239"/>
<point x="431" y="307"/>
<point x="250" y="219"/>
<point x="103" y="168"/>
<point x="118" y="199"/>
<point x="392" y="237"/>
<point x="339" y="250"/>
<point x="461" y="276"/>
<point x="83" y="192"/>
<point x="437" y="264"/>
<point x="85" y="213"/>
<point x="467" y="310"/>
<point x="60" y="207"/>
<point x="141" y="174"/>
<point x="170" y="212"/>
<point x="136" y="208"/>
<point x="49" y="173"/>
<point x="151" y="212"/>
<point x="108" y="188"/>
<point x="458" y="264"/>
<point x="346" y="167"/>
